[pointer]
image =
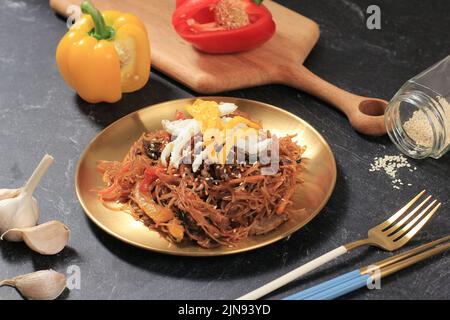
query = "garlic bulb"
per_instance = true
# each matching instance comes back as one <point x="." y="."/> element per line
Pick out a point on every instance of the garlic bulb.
<point x="18" y="208"/>
<point x="40" y="285"/>
<point x="48" y="238"/>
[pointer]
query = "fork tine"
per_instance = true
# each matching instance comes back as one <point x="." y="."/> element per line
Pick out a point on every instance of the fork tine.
<point x="393" y="228"/>
<point x="399" y="213"/>
<point x="403" y="230"/>
<point x="404" y="238"/>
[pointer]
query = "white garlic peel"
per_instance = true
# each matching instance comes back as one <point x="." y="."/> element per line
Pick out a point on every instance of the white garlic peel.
<point x="8" y="193"/>
<point x="40" y="285"/>
<point x="18" y="208"/>
<point x="48" y="238"/>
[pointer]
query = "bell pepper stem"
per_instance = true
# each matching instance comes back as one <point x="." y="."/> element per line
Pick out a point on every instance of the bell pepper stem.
<point x="101" y="31"/>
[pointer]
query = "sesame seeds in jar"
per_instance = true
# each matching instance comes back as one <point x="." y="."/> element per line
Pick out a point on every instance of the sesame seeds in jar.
<point x="418" y="117"/>
<point x="418" y="127"/>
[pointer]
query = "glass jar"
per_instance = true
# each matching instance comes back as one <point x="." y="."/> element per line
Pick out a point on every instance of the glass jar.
<point x="418" y="117"/>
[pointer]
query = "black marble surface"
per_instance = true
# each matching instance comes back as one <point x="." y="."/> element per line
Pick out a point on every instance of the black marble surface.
<point x="39" y="113"/>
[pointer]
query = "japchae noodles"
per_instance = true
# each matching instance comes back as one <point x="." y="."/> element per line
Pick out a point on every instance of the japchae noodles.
<point x="213" y="201"/>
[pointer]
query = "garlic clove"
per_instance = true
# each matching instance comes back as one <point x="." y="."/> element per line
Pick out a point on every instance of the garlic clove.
<point x="48" y="238"/>
<point x="40" y="285"/>
<point x="12" y="234"/>
<point x="9" y="193"/>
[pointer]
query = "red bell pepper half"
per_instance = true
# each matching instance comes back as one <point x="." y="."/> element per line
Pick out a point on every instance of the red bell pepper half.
<point x="195" y="21"/>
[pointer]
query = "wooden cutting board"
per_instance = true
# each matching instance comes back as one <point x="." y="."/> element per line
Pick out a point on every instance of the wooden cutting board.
<point x="278" y="61"/>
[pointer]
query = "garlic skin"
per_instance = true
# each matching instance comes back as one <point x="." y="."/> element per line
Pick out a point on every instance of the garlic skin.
<point x="18" y="208"/>
<point x="47" y="239"/>
<point x="40" y="285"/>
<point x="9" y="193"/>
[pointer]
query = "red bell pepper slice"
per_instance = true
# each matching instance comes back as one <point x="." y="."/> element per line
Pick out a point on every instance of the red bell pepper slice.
<point x="179" y="115"/>
<point x="150" y="175"/>
<point x="194" y="21"/>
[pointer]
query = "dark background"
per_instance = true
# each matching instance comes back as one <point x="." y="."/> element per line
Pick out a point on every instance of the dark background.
<point x="39" y="113"/>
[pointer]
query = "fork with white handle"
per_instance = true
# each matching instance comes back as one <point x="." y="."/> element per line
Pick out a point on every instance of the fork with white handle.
<point x="390" y="235"/>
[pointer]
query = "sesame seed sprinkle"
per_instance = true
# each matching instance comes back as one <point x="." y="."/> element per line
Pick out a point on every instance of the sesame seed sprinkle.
<point x="391" y="165"/>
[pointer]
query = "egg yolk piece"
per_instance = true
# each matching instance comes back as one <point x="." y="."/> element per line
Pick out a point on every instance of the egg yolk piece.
<point x="206" y="113"/>
<point x="217" y="133"/>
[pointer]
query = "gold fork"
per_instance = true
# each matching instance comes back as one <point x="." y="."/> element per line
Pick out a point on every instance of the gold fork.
<point x="390" y="235"/>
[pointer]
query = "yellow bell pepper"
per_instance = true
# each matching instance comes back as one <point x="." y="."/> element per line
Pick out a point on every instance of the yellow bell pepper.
<point x="104" y="54"/>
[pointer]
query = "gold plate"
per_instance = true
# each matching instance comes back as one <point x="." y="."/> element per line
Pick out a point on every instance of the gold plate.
<point x="113" y="143"/>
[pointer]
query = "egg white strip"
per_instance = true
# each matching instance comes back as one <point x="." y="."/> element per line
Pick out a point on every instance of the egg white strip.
<point x="227" y="108"/>
<point x="184" y="130"/>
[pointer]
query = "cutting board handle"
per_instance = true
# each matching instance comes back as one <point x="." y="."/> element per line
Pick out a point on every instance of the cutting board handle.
<point x="366" y="115"/>
<point x="60" y="6"/>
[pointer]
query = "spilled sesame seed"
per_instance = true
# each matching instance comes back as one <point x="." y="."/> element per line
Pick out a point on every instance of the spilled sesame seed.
<point x="391" y="165"/>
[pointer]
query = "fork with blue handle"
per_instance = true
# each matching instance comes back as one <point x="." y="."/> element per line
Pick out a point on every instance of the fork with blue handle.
<point x="357" y="279"/>
<point x="390" y="235"/>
